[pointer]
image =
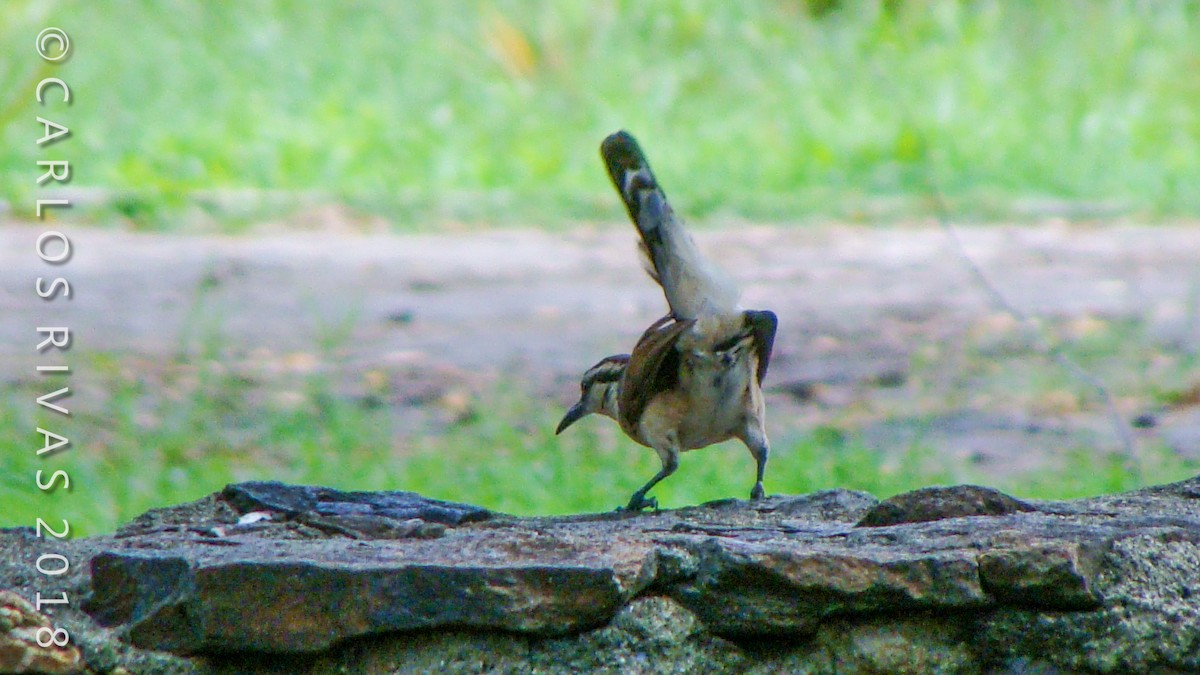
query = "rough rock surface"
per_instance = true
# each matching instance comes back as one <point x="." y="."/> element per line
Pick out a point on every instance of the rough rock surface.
<point x="270" y="578"/>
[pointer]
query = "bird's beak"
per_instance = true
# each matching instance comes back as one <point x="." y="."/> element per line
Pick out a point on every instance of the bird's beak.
<point x="571" y="417"/>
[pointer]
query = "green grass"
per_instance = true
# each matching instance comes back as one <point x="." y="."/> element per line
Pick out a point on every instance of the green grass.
<point x="144" y="450"/>
<point x="150" y="443"/>
<point x="147" y="433"/>
<point x="191" y="115"/>
<point x="218" y="115"/>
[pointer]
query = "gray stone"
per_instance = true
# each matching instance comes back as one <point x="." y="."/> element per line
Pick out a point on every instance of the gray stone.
<point x="746" y="589"/>
<point x="965" y="580"/>
<point x="936" y="503"/>
<point x="1052" y="576"/>
<point x="229" y="598"/>
<point x="294" y="500"/>
<point x="1149" y="620"/>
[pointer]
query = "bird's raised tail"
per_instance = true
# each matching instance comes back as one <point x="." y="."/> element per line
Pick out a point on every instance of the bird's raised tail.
<point x="692" y="284"/>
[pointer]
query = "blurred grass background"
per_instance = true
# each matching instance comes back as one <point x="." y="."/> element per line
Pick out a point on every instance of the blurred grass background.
<point x="205" y="116"/>
<point x="173" y="432"/>
<point x="192" y="114"/>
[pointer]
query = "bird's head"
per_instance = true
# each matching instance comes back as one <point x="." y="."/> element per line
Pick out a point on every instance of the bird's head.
<point x="599" y="389"/>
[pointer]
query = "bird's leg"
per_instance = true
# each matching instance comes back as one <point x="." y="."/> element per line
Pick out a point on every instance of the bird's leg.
<point x="670" y="460"/>
<point x="756" y="442"/>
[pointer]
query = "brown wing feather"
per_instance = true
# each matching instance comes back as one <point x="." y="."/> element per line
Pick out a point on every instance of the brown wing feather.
<point x="762" y="327"/>
<point x="653" y="367"/>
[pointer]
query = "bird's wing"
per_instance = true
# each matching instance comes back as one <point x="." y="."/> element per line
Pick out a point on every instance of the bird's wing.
<point x="653" y="368"/>
<point x="762" y="327"/>
<point x="691" y="283"/>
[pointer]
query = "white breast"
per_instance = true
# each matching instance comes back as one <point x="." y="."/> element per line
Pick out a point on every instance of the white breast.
<point x="718" y="397"/>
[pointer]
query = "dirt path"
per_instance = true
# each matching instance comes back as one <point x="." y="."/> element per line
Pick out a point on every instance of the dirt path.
<point x="876" y="325"/>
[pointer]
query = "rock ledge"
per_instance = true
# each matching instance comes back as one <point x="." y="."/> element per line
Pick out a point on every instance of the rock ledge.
<point x="265" y="577"/>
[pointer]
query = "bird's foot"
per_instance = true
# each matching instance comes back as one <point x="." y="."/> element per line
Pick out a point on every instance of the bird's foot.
<point x="640" y="502"/>
<point x="757" y="492"/>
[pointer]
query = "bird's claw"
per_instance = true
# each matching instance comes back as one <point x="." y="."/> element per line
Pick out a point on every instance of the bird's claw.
<point x="757" y="492"/>
<point x="641" y="503"/>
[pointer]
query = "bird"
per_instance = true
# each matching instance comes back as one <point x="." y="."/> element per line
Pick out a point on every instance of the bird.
<point x="694" y="377"/>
